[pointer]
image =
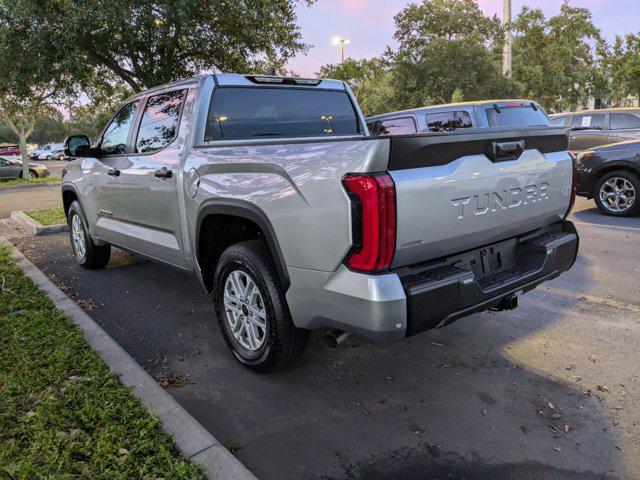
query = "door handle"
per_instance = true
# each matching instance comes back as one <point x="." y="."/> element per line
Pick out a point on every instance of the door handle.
<point x="114" y="172"/>
<point x="164" y="172"/>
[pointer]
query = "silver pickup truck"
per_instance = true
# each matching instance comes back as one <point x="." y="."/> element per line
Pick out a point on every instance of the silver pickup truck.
<point x="272" y="192"/>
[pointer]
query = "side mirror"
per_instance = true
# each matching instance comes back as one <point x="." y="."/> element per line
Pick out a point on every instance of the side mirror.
<point x="76" y="146"/>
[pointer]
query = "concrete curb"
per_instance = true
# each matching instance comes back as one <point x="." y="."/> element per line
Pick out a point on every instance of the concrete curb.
<point x="191" y="438"/>
<point x="25" y="222"/>
<point x="29" y="185"/>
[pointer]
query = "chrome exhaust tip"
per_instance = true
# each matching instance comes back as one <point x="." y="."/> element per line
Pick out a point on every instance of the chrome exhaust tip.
<point x="334" y="338"/>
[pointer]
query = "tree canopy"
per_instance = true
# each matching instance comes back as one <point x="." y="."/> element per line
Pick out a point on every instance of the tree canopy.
<point x="145" y="43"/>
<point x="446" y="46"/>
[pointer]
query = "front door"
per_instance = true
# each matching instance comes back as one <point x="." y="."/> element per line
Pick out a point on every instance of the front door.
<point x="103" y="203"/>
<point x="149" y="184"/>
<point x="587" y="131"/>
<point x="9" y="169"/>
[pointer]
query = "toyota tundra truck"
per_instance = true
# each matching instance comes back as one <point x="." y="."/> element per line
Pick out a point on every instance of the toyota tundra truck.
<point x="272" y="192"/>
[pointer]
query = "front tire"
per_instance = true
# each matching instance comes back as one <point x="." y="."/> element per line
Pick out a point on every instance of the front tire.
<point x="252" y="309"/>
<point x="33" y="174"/>
<point x="616" y="193"/>
<point x="87" y="254"/>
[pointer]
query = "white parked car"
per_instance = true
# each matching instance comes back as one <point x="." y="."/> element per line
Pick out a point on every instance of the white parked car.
<point x="50" y="151"/>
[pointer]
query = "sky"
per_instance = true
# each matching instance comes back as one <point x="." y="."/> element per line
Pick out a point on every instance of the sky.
<point x="369" y="25"/>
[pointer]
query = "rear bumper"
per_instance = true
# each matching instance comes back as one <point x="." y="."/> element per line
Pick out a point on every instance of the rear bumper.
<point x="414" y="299"/>
<point x="441" y="294"/>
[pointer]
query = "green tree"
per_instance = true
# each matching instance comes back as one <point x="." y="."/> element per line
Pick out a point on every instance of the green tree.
<point x="554" y="59"/>
<point x="21" y="113"/>
<point x="146" y="43"/>
<point x="447" y="46"/>
<point x="370" y="80"/>
<point x="625" y="66"/>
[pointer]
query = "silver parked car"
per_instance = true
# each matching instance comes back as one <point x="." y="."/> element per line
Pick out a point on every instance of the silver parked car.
<point x="271" y="191"/>
<point x="454" y="116"/>
<point x="592" y="128"/>
<point x="10" y="169"/>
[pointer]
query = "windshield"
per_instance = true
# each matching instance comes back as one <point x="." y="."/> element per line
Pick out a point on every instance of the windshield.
<point x="242" y="113"/>
<point x="516" y="115"/>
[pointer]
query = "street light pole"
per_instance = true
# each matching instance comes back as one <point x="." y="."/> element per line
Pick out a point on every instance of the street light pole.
<point x="342" y="42"/>
<point x="506" y="51"/>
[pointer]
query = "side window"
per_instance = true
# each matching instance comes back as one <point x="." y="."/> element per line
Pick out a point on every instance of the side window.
<point x="159" y="124"/>
<point x="619" y="121"/>
<point x="588" y="122"/>
<point x="3" y="162"/>
<point x="114" y="140"/>
<point x="397" y="126"/>
<point x="448" y="121"/>
<point x="559" y="121"/>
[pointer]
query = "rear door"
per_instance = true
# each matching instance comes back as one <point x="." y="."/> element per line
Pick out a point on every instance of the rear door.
<point x="588" y="130"/>
<point x="623" y="126"/>
<point x="466" y="189"/>
<point x="148" y="180"/>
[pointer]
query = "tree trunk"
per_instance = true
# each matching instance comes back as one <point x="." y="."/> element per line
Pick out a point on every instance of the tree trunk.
<point x="22" y="141"/>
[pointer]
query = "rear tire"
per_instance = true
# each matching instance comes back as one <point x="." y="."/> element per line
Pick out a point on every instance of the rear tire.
<point x="616" y="193"/>
<point x="87" y="254"/>
<point x="33" y="174"/>
<point x="252" y="310"/>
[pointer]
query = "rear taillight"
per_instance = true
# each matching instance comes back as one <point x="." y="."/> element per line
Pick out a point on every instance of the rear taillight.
<point x="574" y="182"/>
<point x="373" y="213"/>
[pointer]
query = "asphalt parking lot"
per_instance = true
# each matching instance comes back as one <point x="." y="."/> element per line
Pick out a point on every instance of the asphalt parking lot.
<point x="550" y="390"/>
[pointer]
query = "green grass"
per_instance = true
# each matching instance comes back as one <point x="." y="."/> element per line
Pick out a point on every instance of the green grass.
<point x="48" y="216"/>
<point x="63" y="415"/>
<point x="20" y="181"/>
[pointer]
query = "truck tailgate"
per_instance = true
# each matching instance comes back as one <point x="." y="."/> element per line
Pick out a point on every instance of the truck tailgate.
<point x="466" y="189"/>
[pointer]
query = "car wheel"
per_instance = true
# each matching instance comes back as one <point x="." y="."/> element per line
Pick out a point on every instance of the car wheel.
<point x="61" y="157"/>
<point x="616" y="193"/>
<point x="48" y="157"/>
<point x="87" y="254"/>
<point x="252" y="310"/>
<point x="33" y="174"/>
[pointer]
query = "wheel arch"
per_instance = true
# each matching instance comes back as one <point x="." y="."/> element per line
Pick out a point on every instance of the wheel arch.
<point x="222" y="222"/>
<point x="69" y="195"/>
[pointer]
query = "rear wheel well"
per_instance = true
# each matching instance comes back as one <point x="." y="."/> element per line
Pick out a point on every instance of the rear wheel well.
<point x="611" y="168"/>
<point x="68" y="197"/>
<point x="217" y="233"/>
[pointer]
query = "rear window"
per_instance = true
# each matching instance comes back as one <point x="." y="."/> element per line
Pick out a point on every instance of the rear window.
<point x="250" y="113"/>
<point x="620" y="121"/>
<point x="395" y="126"/>
<point x="448" y="121"/>
<point x="521" y="115"/>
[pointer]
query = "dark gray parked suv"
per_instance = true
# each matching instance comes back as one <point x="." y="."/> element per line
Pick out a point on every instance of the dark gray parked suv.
<point x="592" y="128"/>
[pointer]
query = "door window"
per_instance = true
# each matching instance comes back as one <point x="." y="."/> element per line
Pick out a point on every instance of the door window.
<point x="160" y="121"/>
<point x="448" y="121"/>
<point x="114" y="140"/>
<point x="588" y="122"/>
<point x="620" y="121"/>
<point x="560" y="121"/>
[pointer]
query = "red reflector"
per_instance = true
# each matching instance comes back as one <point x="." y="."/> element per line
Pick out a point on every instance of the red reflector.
<point x="574" y="183"/>
<point x="374" y="221"/>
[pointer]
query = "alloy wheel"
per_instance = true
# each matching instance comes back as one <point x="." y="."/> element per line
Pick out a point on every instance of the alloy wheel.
<point x="77" y="236"/>
<point x="617" y="194"/>
<point x="245" y="310"/>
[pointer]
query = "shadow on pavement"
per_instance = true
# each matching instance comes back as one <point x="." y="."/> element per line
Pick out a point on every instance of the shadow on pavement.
<point x="447" y="404"/>
<point x="594" y="217"/>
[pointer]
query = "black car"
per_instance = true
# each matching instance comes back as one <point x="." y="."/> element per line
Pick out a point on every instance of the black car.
<point x="610" y="174"/>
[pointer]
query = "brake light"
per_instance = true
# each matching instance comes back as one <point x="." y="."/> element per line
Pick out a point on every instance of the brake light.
<point x="574" y="182"/>
<point x="373" y="206"/>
